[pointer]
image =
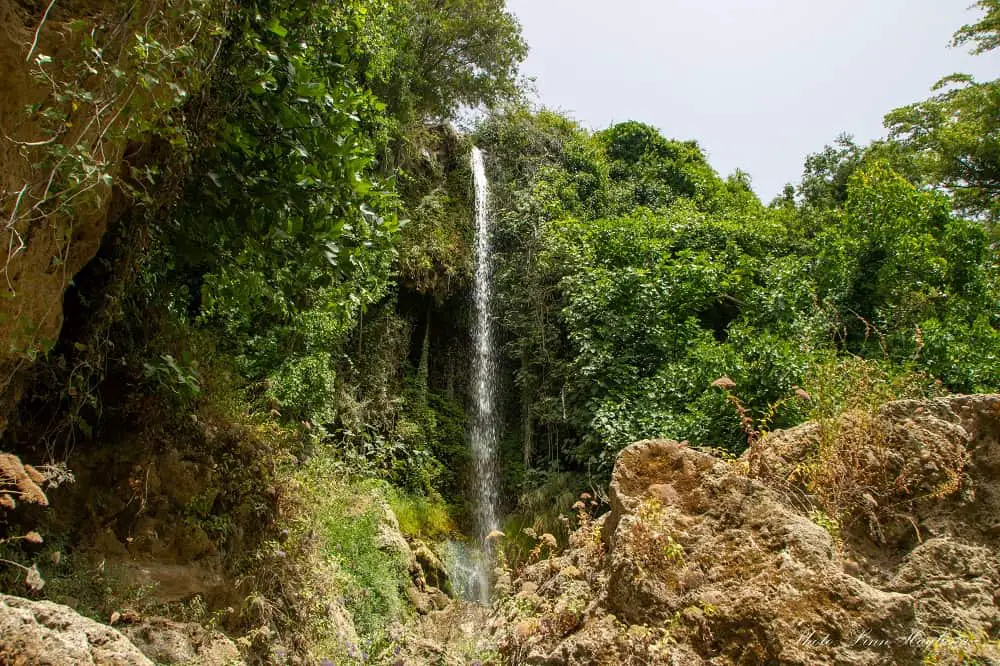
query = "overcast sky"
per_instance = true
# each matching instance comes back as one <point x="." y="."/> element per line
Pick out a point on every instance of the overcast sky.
<point x="759" y="83"/>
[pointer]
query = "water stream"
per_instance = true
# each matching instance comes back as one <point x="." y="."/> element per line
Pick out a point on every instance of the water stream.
<point x="484" y="425"/>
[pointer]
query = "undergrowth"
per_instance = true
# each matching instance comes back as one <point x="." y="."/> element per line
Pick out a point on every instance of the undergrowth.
<point x="857" y="469"/>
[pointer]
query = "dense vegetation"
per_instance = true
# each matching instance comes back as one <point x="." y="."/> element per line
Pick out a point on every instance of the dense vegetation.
<point x="633" y="276"/>
<point x="287" y="297"/>
<point x="261" y="320"/>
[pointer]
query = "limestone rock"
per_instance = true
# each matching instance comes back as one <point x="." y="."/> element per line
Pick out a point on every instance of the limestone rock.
<point x="433" y="569"/>
<point x="168" y="642"/>
<point x="41" y="633"/>
<point x="391" y="539"/>
<point x="698" y="562"/>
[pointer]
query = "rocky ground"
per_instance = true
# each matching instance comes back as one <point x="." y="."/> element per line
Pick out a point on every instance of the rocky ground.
<point x="41" y="633"/>
<point x="869" y="540"/>
<point x="701" y="561"/>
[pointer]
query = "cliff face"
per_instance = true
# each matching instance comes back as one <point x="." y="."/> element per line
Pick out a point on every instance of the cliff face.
<point x="700" y="562"/>
<point x="88" y="87"/>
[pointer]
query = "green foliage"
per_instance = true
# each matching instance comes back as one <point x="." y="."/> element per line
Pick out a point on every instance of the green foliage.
<point x="126" y="76"/>
<point x="955" y="136"/>
<point x="450" y="54"/>
<point x="848" y="383"/>
<point x="282" y="234"/>
<point x="632" y="277"/>
<point x="420" y="517"/>
<point x="347" y="518"/>
<point x="170" y="375"/>
<point x="435" y="255"/>
<point x="986" y="32"/>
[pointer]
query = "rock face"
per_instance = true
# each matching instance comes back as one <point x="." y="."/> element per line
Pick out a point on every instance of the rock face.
<point x="429" y="588"/>
<point x="700" y="562"/>
<point x="41" y="633"/>
<point x="52" y="232"/>
<point x="168" y="642"/>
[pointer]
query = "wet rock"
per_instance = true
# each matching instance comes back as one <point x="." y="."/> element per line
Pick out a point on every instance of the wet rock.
<point x="433" y="569"/>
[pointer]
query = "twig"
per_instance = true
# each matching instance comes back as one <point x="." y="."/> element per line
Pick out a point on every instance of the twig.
<point x="17" y="204"/>
<point x="31" y="144"/>
<point x="14" y="564"/>
<point x="11" y="253"/>
<point x="34" y="43"/>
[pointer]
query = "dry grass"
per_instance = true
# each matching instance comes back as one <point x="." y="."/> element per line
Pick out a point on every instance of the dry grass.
<point x="855" y="466"/>
<point x="867" y="469"/>
<point x="23" y="483"/>
<point x="16" y="483"/>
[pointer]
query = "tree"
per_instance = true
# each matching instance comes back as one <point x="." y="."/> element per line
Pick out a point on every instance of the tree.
<point x="955" y="135"/>
<point x="826" y="174"/>
<point x="449" y="54"/>
<point x="985" y="33"/>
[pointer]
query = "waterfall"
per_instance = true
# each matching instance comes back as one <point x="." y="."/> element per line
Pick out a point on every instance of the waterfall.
<point x="484" y="427"/>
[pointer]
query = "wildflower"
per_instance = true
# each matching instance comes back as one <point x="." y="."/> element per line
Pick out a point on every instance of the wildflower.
<point x="579" y="506"/>
<point x="10" y="468"/>
<point x="33" y="537"/>
<point x="34" y="474"/>
<point x="724" y="383"/>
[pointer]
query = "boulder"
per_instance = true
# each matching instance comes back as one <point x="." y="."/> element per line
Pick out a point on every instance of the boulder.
<point x="168" y="642"/>
<point x="700" y="561"/>
<point x="433" y="569"/>
<point x="41" y="633"/>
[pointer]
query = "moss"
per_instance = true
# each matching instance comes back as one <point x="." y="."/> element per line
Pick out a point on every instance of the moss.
<point x="421" y="517"/>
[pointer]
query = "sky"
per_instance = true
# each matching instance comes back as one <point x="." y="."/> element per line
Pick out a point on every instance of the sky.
<point x="759" y="84"/>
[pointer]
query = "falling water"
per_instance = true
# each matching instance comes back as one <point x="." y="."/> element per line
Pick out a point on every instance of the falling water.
<point x="484" y="428"/>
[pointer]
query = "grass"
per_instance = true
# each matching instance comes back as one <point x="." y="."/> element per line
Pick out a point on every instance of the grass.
<point x="853" y="467"/>
<point x="421" y="517"/>
<point x="346" y="518"/>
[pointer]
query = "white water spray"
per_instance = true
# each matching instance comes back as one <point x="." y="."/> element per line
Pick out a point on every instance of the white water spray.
<point x="484" y="428"/>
